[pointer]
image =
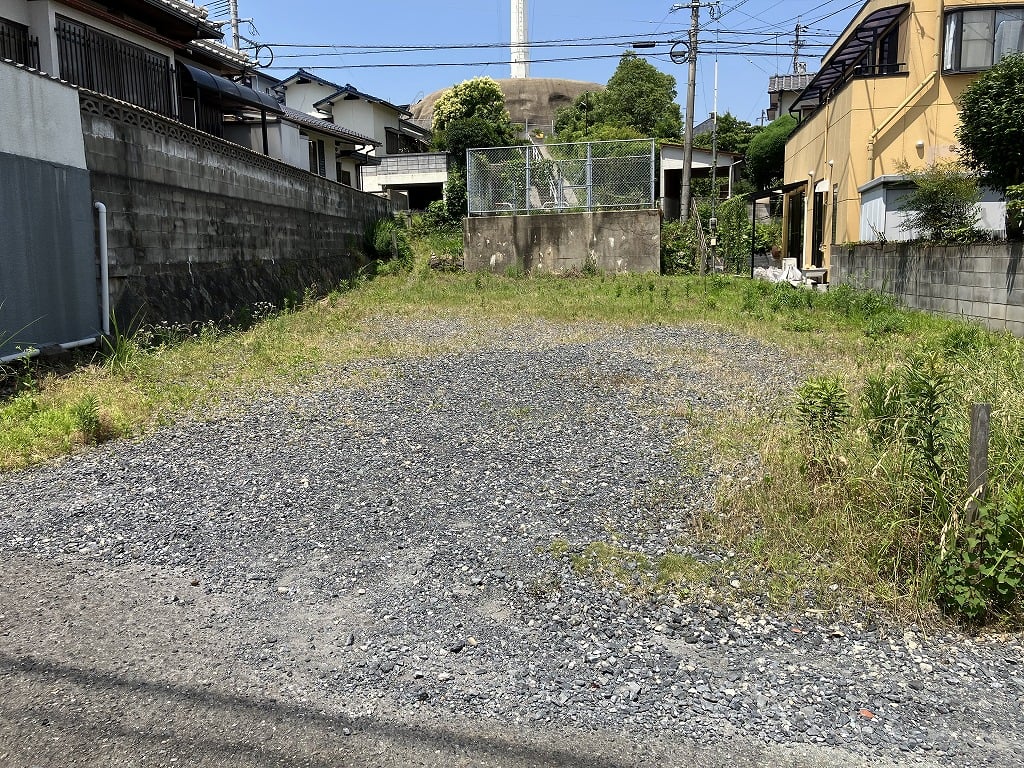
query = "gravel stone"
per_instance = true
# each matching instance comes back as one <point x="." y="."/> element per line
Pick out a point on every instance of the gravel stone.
<point x="247" y="588"/>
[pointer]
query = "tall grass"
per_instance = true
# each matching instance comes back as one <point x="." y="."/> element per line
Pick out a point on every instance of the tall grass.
<point x="865" y="483"/>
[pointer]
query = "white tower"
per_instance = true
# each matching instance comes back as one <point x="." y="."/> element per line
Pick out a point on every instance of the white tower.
<point x="520" y="51"/>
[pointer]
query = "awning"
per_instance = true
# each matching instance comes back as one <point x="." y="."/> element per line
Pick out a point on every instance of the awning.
<point x="232" y="93"/>
<point x="834" y="70"/>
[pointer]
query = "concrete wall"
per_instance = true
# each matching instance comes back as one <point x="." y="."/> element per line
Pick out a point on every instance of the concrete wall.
<point x="980" y="282"/>
<point x="48" y="280"/>
<point x="201" y="228"/>
<point x="616" y="241"/>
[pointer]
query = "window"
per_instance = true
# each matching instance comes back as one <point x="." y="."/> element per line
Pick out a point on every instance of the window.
<point x="888" y="59"/>
<point x="346" y="178"/>
<point x="975" y="40"/>
<point x="317" y="157"/>
<point x="18" y="45"/>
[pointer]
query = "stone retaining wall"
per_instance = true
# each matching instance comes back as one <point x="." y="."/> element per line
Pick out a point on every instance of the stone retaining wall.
<point x="200" y="228"/>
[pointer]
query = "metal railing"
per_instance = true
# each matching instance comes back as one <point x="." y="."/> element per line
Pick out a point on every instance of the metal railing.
<point x="538" y="178"/>
<point x="18" y="45"/>
<point x="425" y="162"/>
<point x="106" y="64"/>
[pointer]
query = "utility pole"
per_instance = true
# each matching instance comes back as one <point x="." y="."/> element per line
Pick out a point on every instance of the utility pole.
<point x="691" y="96"/>
<point x="235" y="36"/>
<point x="798" y="43"/>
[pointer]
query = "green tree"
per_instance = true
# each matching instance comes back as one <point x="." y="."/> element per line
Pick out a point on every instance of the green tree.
<point x="766" y="154"/>
<point x="469" y="115"/>
<point x="480" y="97"/>
<point x="638" y="102"/>
<point x="991" y="130"/>
<point x="643" y="98"/>
<point x="471" y="133"/>
<point x="734" y="135"/>
<point x="943" y="203"/>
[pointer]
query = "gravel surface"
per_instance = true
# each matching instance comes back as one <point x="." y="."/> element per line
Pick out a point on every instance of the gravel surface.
<point x="365" y="573"/>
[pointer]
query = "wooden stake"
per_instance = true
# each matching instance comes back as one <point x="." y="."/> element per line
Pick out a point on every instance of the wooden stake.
<point x="978" y="469"/>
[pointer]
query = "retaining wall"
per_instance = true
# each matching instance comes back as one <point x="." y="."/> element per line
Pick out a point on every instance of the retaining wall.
<point x="200" y="228"/>
<point x="978" y="282"/>
<point x="614" y="241"/>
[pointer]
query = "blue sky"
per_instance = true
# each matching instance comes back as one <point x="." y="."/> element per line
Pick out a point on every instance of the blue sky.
<point x="754" y="42"/>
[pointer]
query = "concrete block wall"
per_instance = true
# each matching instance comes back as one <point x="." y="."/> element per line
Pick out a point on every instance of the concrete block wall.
<point x="615" y="241"/>
<point x="200" y="228"/>
<point x="982" y="282"/>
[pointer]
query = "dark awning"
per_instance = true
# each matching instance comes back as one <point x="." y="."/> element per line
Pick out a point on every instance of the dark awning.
<point x="231" y="92"/>
<point x="836" y="65"/>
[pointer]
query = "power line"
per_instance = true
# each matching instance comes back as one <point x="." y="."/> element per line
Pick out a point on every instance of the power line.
<point x="731" y="51"/>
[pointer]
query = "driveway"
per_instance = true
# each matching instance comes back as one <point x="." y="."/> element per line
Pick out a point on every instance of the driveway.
<point x="378" y="570"/>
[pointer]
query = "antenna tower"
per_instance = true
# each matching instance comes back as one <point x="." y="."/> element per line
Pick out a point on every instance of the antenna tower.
<point x="520" y="49"/>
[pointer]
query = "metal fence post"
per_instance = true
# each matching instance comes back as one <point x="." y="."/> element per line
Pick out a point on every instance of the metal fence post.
<point x="590" y="178"/>
<point x="529" y="184"/>
<point x="653" y="171"/>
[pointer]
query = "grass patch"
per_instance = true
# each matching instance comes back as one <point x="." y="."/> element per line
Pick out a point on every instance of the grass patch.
<point x="635" y="573"/>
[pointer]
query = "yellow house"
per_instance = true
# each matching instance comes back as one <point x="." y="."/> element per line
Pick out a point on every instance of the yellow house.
<point x="885" y="97"/>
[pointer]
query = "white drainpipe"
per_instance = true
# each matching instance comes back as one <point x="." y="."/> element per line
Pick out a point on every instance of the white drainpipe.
<point x="104" y="269"/>
<point x="32" y="351"/>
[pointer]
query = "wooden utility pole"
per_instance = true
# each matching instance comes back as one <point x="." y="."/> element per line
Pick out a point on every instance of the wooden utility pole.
<point x="691" y="97"/>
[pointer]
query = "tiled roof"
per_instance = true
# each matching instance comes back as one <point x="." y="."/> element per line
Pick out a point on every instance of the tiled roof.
<point x="351" y="90"/>
<point x="779" y="83"/>
<point x="225" y="52"/>
<point x="188" y="9"/>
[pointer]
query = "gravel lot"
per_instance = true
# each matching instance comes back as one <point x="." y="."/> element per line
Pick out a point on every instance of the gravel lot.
<point x="361" y="574"/>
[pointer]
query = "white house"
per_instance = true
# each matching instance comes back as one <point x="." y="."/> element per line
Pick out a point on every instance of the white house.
<point x="396" y="164"/>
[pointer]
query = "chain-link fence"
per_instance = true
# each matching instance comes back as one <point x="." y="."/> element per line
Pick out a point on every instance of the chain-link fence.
<point x="561" y="177"/>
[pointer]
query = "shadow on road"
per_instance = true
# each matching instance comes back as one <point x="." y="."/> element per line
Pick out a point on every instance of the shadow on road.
<point x="213" y="727"/>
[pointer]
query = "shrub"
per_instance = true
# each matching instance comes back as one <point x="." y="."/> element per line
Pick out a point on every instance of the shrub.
<point x="1015" y="211"/>
<point x="981" y="570"/>
<point x="823" y="406"/>
<point x="389" y="242"/>
<point x="943" y="203"/>
<point x="678" y="248"/>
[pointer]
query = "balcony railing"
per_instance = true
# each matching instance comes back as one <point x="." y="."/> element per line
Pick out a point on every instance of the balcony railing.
<point x="18" y="45"/>
<point x="104" y="63"/>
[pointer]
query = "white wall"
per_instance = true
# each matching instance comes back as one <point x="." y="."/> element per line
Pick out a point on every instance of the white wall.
<point x="41" y="118"/>
<point x="303" y="97"/>
<point x="15" y="10"/>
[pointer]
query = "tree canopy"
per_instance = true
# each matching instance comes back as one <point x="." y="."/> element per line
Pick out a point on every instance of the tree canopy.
<point x="991" y="130"/>
<point x="766" y="153"/>
<point x="478" y="97"/>
<point x="469" y="115"/>
<point x="639" y="102"/>
<point x="734" y="135"/>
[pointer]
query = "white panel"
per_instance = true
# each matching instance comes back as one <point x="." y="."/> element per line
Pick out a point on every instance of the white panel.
<point x="47" y="123"/>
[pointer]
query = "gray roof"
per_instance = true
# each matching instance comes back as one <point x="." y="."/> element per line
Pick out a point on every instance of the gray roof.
<point x="779" y="83"/>
<point x="331" y="129"/>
